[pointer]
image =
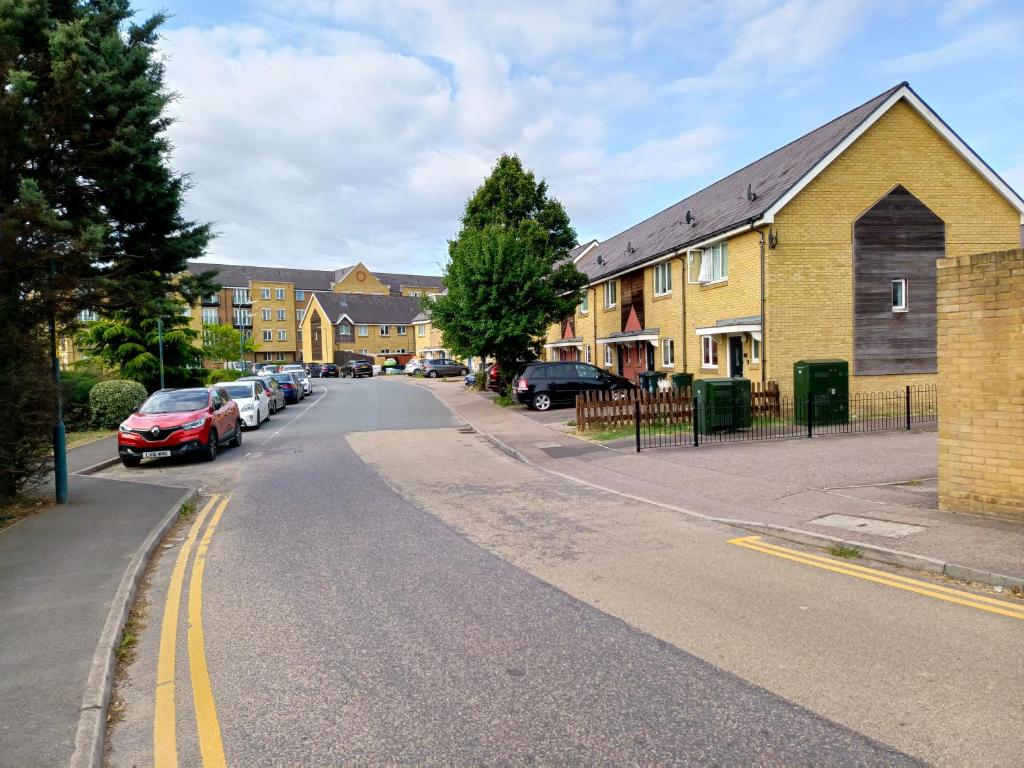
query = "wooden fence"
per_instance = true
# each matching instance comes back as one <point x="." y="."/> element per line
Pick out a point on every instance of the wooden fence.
<point x="605" y="410"/>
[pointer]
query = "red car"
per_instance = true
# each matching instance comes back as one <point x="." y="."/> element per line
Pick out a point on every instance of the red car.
<point x="180" y="422"/>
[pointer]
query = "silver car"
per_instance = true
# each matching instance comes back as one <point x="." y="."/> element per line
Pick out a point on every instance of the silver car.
<point x="443" y="366"/>
<point x="298" y="370"/>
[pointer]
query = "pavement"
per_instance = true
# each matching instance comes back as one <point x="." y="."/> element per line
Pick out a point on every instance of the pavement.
<point x="62" y="572"/>
<point x="879" y="482"/>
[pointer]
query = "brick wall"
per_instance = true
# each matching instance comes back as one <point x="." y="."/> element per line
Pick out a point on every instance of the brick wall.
<point x="981" y="383"/>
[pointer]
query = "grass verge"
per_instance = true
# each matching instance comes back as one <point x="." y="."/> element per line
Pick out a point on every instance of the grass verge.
<point x="840" y="550"/>
<point x="74" y="439"/>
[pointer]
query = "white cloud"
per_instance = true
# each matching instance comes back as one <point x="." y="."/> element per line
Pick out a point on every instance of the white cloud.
<point x="998" y="39"/>
<point x="955" y="11"/>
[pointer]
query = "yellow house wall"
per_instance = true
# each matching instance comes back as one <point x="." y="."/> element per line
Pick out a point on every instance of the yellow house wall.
<point x="739" y="295"/>
<point x="276" y="347"/>
<point x="313" y="308"/>
<point x="810" y="273"/>
<point x="352" y="284"/>
<point x="981" y="419"/>
<point x="666" y="314"/>
<point x="375" y="344"/>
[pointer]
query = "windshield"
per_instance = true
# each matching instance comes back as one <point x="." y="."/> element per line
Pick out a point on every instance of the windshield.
<point x="178" y="401"/>
<point x="239" y="390"/>
<point x="284" y="378"/>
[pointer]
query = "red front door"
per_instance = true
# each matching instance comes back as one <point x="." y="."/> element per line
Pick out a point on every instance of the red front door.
<point x="634" y="359"/>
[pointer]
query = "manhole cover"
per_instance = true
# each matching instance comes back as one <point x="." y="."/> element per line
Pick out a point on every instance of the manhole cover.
<point x="868" y="525"/>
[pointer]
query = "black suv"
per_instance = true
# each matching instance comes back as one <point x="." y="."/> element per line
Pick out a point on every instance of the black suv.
<point x="541" y="385"/>
<point x="329" y="371"/>
<point x="357" y="368"/>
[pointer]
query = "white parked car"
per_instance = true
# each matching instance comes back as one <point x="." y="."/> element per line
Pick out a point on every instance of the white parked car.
<point x="414" y="366"/>
<point x="307" y="384"/>
<point x="253" y="403"/>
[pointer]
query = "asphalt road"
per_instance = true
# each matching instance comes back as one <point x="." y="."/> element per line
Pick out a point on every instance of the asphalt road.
<point x="346" y="624"/>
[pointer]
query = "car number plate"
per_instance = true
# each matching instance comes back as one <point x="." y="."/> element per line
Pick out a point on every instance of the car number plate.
<point x="156" y="454"/>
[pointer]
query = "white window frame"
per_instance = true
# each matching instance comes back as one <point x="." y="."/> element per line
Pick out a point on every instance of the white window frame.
<point x="268" y="335"/>
<point x="240" y="296"/>
<point x="585" y="303"/>
<point x="421" y="331"/>
<point x="282" y="335"/>
<point x="608" y="355"/>
<point x="384" y="330"/>
<point x="755" y="350"/>
<point x="668" y="353"/>
<point x="586" y="358"/>
<point x="300" y="315"/>
<point x="300" y="295"/>
<point x="694" y="261"/>
<point x="211" y="316"/>
<point x="663" y="279"/>
<point x="266" y="314"/>
<point x="364" y="330"/>
<point x="708" y="352"/>
<point x="714" y="265"/>
<point x="280" y="357"/>
<point x="610" y="294"/>
<point x="267" y="357"/>
<point x="400" y="330"/>
<point x="280" y="294"/>
<point x="264" y="293"/>
<point x="282" y="314"/>
<point x="904" y="304"/>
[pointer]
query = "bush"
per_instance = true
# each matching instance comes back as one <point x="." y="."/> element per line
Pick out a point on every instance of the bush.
<point x="111" y="402"/>
<point x="75" y="387"/>
<point x="223" y="374"/>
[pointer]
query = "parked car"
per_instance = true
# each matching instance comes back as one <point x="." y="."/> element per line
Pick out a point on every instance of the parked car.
<point x="290" y="385"/>
<point x="414" y="366"/>
<point x="330" y="370"/>
<point x="313" y="370"/>
<point x="296" y="368"/>
<point x="267" y="370"/>
<point x="443" y="366"/>
<point x="357" y="368"/>
<point x="275" y="395"/>
<point x="179" y="422"/>
<point x="253" y="403"/>
<point x="541" y="385"/>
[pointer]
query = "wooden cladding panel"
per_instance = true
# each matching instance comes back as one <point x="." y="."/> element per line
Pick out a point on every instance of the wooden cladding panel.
<point x="899" y="238"/>
<point x="632" y="288"/>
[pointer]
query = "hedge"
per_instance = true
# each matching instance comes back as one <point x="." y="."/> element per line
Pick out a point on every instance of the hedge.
<point x="111" y="402"/>
<point x="223" y="374"/>
<point x="75" y="387"/>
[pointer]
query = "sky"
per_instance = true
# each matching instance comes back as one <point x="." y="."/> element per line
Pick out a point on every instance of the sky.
<point x="318" y="133"/>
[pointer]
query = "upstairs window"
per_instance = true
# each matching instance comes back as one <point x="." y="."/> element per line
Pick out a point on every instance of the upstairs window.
<point x="421" y="330"/>
<point x="663" y="279"/>
<point x="280" y="294"/>
<point x="364" y="330"/>
<point x="668" y="353"/>
<point x="268" y="335"/>
<point x="385" y="330"/>
<point x="88" y="316"/>
<point x="282" y="335"/>
<point x="401" y="330"/>
<point x="264" y="293"/>
<point x="714" y="265"/>
<point x="266" y="314"/>
<point x="585" y="303"/>
<point x="300" y="295"/>
<point x="282" y="314"/>
<point x="609" y="294"/>
<point x="899" y="295"/>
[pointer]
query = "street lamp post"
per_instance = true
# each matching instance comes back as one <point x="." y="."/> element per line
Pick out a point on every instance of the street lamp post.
<point x="60" y="454"/>
<point x="160" y="341"/>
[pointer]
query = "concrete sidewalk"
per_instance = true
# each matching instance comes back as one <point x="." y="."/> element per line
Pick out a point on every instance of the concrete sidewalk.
<point x="65" y="578"/>
<point x="788" y="484"/>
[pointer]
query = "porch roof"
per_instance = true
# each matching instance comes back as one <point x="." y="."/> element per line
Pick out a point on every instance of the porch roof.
<point x="623" y="337"/>
<point x="750" y="324"/>
<point x="576" y="341"/>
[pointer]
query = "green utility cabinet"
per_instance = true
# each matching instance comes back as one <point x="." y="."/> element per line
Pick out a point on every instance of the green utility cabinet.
<point x="826" y="385"/>
<point x="725" y="404"/>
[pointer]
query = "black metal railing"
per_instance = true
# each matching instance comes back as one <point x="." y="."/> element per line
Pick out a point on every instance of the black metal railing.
<point x="660" y="426"/>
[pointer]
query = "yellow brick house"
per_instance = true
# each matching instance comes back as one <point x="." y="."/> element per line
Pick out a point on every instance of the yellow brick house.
<point x="824" y="248"/>
<point x="365" y="324"/>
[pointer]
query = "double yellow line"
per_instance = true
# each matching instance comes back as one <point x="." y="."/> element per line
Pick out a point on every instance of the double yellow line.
<point x="928" y="589"/>
<point x="165" y="747"/>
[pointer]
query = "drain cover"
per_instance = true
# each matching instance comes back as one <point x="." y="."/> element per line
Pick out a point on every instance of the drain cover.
<point x="868" y="525"/>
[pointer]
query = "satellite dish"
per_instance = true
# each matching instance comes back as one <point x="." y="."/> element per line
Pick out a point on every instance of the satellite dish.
<point x="690" y="219"/>
<point x="751" y="194"/>
<point x="600" y="260"/>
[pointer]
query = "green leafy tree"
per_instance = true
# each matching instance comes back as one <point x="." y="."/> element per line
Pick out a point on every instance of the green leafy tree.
<point x="221" y="342"/>
<point x="90" y="213"/>
<point x="507" y="277"/>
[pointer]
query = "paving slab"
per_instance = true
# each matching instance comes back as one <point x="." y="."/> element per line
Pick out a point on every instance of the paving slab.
<point x="59" y="573"/>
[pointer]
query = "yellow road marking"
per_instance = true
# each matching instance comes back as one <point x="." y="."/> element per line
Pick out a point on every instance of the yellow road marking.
<point x="165" y="748"/>
<point x="211" y="748"/>
<point x="980" y="602"/>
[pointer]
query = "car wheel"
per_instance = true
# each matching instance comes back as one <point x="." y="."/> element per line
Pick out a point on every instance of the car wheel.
<point x="131" y="461"/>
<point x="237" y="440"/>
<point x="432" y="375"/>
<point x="463" y="372"/>
<point x="541" y="401"/>
<point x="258" y="422"/>
<point x="211" y="447"/>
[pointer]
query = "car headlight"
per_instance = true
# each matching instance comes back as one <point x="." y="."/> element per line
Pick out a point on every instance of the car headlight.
<point x="124" y="429"/>
<point x="248" y="407"/>
<point x="194" y="424"/>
